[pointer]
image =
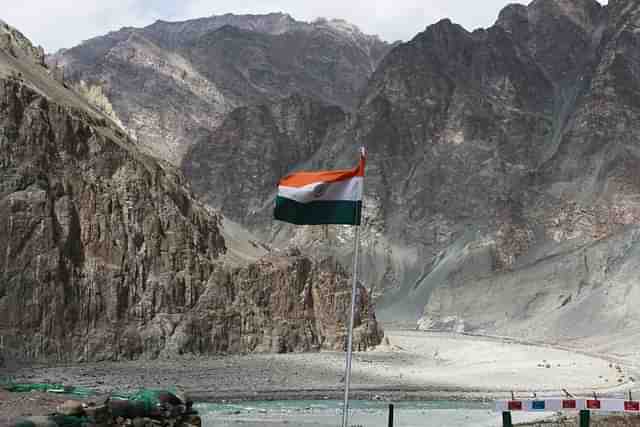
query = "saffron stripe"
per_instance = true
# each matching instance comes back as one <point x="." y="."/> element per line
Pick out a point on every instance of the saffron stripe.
<point x="300" y="179"/>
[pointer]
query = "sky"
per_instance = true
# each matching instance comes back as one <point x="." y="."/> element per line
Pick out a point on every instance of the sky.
<point x="65" y="23"/>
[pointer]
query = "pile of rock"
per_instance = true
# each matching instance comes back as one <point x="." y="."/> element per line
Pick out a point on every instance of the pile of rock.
<point x="165" y="409"/>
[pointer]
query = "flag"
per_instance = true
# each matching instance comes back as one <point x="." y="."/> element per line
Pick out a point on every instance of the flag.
<point x="322" y="197"/>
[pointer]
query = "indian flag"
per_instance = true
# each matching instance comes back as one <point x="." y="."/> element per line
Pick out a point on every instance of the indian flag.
<point x="323" y="197"/>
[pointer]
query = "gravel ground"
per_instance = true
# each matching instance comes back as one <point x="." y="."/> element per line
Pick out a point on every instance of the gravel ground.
<point x="412" y="365"/>
<point x="27" y="404"/>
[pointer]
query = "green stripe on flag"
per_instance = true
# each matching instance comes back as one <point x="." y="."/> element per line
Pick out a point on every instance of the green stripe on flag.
<point x="319" y="212"/>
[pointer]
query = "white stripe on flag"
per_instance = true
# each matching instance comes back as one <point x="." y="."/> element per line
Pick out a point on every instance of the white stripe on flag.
<point x="347" y="190"/>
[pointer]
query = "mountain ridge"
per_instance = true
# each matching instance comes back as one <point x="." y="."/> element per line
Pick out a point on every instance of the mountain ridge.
<point x="238" y="59"/>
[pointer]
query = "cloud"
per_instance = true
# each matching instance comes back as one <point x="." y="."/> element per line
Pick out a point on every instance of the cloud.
<point x="65" y="23"/>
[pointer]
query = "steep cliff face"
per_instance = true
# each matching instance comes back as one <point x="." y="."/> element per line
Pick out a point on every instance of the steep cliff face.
<point x="172" y="83"/>
<point x="107" y="255"/>
<point x="90" y="227"/>
<point x="15" y="43"/>
<point x="454" y="122"/>
<point x="282" y="304"/>
<point x="574" y="278"/>
<point x="256" y="146"/>
<point x="560" y="35"/>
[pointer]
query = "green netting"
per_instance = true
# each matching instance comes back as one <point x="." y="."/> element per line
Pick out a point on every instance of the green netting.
<point x="53" y="420"/>
<point x="147" y="398"/>
<point x="47" y="388"/>
<point x="69" y="421"/>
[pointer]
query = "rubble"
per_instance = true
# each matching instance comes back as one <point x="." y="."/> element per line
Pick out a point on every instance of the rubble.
<point x="146" y="408"/>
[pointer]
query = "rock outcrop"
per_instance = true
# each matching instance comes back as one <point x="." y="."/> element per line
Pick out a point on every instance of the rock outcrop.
<point x="280" y="305"/>
<point x="256" y="146"/>
<point x="106" y="254"/>
<point x="15" y="43"/>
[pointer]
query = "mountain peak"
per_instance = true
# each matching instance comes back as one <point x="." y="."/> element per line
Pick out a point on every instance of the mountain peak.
<point x="16" y="44"/>
<point x="582" y="12"/>
<point x="345" y="29"/>
<point x="274" y="23"/>
<point x="446" y="27"/>
<point x="338" y="24"/>
<point x="271" y="23"/>
<point x="513" y="10"/>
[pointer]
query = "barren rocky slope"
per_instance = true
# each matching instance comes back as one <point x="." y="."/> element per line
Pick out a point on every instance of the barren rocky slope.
<point x="171" y="83"/>
<point x="522" y="192"/>
<point x="502" y="177"/>
<point x="253" y="148"/>
<point x="106" y="254"/>
<point x="575" y="275"/>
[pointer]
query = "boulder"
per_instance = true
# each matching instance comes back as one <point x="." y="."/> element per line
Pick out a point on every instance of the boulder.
<point x="71" y="408"/>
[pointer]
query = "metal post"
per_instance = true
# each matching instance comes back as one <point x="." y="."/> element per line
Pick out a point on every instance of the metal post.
<point x="391" y="415"/>
<point x="584" y="418"/>
<point x="347" y="378"/>
<point x="506" y="419"/>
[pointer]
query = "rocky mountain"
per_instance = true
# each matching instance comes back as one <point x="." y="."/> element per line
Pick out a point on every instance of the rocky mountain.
<point x="501" y="191"/>
<point x="106" y="254"/>
<point x="501" y="194"/>
<point x="254" y="147"/>
<point x="521" y="189"/>
<point x="172" y="83"/>
<point x="450" y="119"/>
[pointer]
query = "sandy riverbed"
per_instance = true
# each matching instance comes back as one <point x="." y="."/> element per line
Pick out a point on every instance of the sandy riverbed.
<point x="414" y="365"/>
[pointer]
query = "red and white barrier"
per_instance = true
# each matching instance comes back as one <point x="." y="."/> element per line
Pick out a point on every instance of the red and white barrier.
<point x="555" y="405"/>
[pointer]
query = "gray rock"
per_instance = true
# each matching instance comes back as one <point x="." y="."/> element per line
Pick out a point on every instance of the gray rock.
<point x="172" y="83"/>
<point x="71" y="408"/>
<point x="98" y="413"/>
<point x="109" y="256"/>
<point x="255" y="147"/>
<point x="16" y="44"/>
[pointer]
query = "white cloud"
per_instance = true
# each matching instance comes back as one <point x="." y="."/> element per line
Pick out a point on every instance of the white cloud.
<point x="65" y="23"/>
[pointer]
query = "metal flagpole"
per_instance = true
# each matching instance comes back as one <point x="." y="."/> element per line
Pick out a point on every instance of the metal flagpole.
<point x="347" y="378"/>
